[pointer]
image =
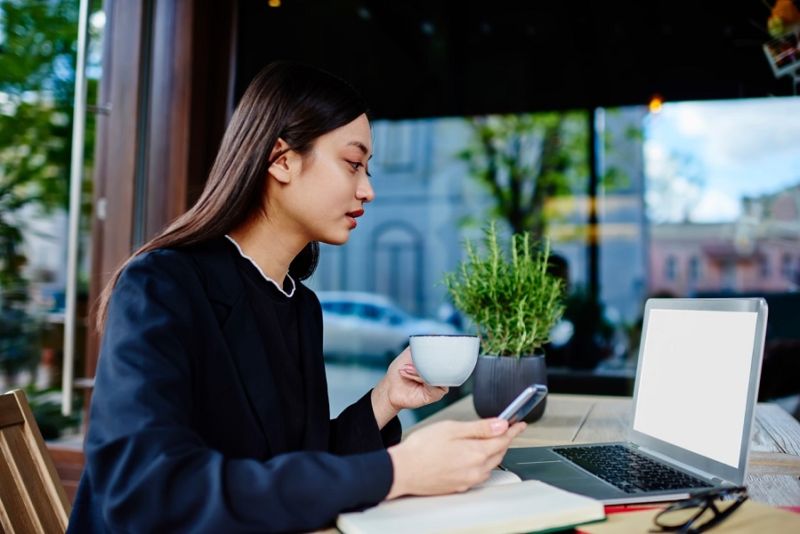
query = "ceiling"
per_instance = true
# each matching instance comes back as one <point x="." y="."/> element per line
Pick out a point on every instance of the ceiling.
<point x="414" y="58"/>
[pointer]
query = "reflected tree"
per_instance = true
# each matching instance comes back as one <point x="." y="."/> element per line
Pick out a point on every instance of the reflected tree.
<point x="38" y="45"/>
<point x="675" y="186"/>
<point x="37" y="57"/>
<point x="525" y="159"/>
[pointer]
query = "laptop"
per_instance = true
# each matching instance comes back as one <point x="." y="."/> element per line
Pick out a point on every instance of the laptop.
<point x="694" y="403"/>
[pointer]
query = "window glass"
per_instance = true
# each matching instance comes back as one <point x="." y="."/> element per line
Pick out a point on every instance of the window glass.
<point x="764" y="267"/>
<point x="341" y="308"/>
<point x="694" y="269"/>
<point x="671" y="268"/>
<point x="604" y="328"/>
<point x="699" y="199"/>
<point x="37" y="82"/>
<point x="723" y="188"/>
<point x="786" y="266"/>
<point x="368" y="312"/>
<point x="436" y="185"/>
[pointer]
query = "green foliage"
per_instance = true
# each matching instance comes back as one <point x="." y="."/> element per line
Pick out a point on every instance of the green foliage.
<point x="36" y="97"/>
<point x="525" y="159"/>
<point x="46" y="407"/>
<point x="508" y="294"/>
<point x="19" y="338"/>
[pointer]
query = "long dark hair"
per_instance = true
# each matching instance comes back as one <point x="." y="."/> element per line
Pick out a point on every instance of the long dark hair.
<point x="291" y="101"/>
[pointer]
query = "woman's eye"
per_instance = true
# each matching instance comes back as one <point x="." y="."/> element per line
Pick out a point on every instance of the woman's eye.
<point x="357" y="165"/>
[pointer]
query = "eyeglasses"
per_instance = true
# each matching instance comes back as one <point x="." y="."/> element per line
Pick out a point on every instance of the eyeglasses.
<point x="701" y="511"/>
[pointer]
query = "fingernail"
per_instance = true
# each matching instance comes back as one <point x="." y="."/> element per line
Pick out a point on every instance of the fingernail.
<point x="498" y="426"/>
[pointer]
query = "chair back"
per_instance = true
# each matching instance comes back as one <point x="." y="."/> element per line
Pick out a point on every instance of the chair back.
<point x="32" y="498"/>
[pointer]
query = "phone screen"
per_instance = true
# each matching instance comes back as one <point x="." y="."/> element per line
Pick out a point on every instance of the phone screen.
<point x="524" y="403"/>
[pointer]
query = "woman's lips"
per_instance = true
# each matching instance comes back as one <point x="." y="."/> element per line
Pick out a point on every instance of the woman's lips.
<point x="351" y="216"/>
<point x="356" y="213"/>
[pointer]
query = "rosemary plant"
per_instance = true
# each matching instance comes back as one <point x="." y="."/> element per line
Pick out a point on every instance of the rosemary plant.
<point x="508" y="293"/>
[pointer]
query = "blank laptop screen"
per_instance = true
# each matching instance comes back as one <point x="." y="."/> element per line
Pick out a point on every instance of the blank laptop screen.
<point x="692" y="389"/>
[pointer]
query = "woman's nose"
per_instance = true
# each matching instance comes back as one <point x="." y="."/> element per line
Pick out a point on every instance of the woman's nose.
<point x="365" y="193"/>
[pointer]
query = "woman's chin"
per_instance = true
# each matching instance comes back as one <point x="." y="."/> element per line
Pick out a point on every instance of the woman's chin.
<point x="335" y="239"/>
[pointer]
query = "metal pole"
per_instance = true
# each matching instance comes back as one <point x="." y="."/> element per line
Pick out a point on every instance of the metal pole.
<point x="593" y="244"/>
<point x="75" y="180"/>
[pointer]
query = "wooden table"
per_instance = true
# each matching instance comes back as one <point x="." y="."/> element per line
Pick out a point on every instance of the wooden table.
<point x="774" y="467"/>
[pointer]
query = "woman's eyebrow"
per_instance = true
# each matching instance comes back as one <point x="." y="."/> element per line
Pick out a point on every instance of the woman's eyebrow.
<point x="360" y="145"/>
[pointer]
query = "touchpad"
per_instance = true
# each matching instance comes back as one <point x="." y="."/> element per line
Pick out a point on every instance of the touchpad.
<point x="547" y="470"/>
<point x="536" y="463"/>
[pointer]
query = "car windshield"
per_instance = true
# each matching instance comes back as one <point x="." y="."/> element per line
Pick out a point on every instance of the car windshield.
<point x="342" y="308"/>
<point x="370" y="312"/>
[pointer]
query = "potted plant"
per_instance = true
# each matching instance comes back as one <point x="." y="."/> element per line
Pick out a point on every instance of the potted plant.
<point x="514" y="303"/>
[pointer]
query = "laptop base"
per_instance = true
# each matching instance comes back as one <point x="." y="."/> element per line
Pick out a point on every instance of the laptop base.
<point x="541" y="463"/>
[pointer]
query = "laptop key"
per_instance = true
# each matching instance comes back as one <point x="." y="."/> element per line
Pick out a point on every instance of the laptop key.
<point x="627" y="469"/>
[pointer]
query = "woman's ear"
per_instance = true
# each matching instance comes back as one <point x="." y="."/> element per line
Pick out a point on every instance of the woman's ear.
<point x="284" y="162"/>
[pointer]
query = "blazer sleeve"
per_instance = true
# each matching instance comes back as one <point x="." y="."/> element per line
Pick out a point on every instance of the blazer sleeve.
<point x="149" y="471"/>
<point x="356" y="430"/>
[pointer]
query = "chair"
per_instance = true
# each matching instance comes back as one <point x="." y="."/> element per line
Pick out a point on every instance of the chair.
<point x="31" y="496"/>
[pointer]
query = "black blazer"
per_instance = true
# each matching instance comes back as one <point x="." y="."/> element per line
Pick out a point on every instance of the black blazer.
<point x="185" y="432"/>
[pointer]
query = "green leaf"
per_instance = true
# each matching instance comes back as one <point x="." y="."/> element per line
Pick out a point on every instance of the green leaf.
<point x="507" y="292"/>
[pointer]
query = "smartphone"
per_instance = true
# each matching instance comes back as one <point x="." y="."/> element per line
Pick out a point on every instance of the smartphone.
<point x="526" y="401"/>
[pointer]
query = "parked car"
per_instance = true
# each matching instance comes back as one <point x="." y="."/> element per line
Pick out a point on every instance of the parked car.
<point x="358" y="324"/>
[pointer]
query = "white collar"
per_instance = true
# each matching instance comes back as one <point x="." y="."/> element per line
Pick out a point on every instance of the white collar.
<point x="267" y="278"/>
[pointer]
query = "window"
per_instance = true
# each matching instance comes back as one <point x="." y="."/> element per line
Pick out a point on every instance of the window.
<point x="671" y="268"/>
<point x="764" y="267"/>
<point x="396" y="140"/>
<point x="396" y="257"/>
<point x="679" y="211"/>
<point x="694" y="269"/>
<point x="718" y="189"/>
<point x="729" y="270"/>
<point x="339" y="308"/>
<point x="372" y="313"/>
<point x="396" y="318"/>
<point x="37" y="84"/>
<point x="786" y="266"/>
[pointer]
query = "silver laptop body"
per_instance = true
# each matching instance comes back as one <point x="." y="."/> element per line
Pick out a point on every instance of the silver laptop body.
<point x="694" y="400"/>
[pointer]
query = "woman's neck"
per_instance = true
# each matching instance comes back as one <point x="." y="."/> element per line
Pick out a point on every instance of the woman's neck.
<point x="272" y="248"/>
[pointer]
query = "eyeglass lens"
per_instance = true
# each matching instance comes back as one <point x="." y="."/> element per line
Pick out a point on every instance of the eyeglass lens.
<point x="699" y="513"/>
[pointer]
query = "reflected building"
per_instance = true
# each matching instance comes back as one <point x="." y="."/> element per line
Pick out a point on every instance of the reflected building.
<point x="760" y="251"/>
<point x="410" y="235"/>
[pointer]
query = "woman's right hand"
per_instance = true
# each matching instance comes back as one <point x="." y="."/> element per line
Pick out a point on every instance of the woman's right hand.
<point x="449" y="456"/>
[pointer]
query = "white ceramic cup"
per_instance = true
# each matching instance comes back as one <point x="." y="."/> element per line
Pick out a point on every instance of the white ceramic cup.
<point x="445" y="360"/>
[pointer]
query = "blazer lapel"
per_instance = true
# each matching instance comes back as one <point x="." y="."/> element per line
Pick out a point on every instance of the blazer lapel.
<point x="224" y="285"/>
<point x="247" y="347"/>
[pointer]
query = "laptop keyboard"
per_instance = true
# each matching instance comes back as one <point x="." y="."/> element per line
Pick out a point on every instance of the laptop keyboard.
<point x="627" y="469"/>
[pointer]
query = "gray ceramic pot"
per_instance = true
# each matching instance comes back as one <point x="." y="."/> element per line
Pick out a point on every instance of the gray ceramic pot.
<point x="499" y="379"/>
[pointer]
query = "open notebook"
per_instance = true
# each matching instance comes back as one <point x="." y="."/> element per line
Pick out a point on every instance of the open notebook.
<point x="528" y="506"/>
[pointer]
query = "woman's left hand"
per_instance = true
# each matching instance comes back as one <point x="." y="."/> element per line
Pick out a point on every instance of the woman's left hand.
<point x="400" y="388"/>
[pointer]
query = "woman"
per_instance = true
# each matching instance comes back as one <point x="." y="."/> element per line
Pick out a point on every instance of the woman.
<point x="210" y="409"/>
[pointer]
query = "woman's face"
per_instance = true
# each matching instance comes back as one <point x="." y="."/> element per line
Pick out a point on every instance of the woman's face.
<point x="330" y="185"/>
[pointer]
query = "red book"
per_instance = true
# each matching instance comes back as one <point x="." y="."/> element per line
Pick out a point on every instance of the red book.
<point x="621" y="508"/>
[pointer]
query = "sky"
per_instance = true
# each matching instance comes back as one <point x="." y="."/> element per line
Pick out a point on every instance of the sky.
<point x="702" y="157"/>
